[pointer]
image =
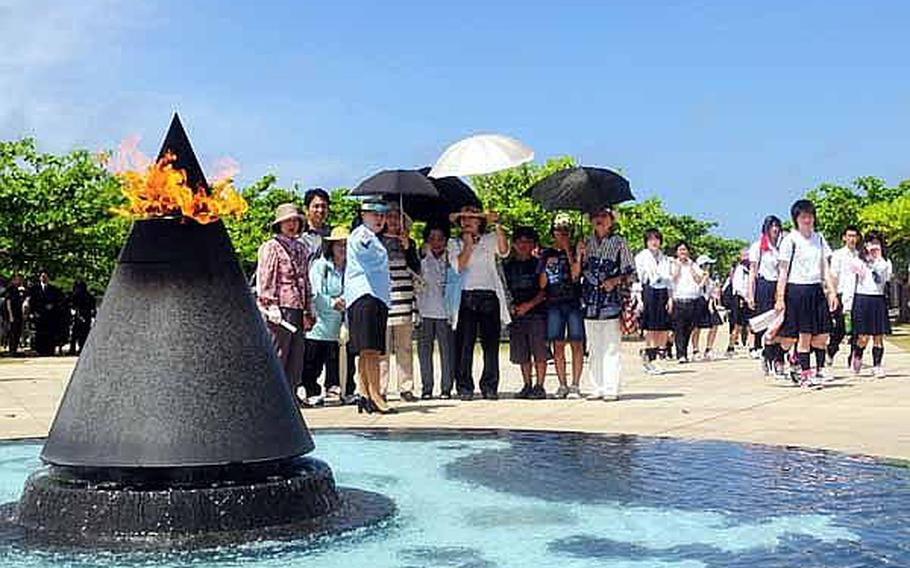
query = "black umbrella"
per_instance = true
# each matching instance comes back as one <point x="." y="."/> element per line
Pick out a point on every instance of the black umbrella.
<point x="398" y="183"/>
<point x="453" y="195"/>
<point x="583" y="189"/>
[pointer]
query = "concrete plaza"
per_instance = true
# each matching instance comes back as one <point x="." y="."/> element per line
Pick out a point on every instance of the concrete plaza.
<point x="722" y="400"/>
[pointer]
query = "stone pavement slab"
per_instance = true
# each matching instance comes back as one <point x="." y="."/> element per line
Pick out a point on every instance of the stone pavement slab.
<point x="723" y="400"/>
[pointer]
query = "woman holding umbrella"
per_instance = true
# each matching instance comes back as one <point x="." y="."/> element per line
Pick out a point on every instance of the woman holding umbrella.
<point x="607" y="265"/>
<point x="607" y="269"/>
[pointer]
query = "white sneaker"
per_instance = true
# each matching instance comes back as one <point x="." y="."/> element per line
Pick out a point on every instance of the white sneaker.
<point x="755" y="353"/>
<point x="825" y="376"/>
<point x="317" y="400"/>
<point x="709" y="355"/>
<point x="879" y="372"/>
<point x="574" y="394"/>
<point x="594" y="396"/>
<point x="610" y="397"/>
<point x="696" y="356"/>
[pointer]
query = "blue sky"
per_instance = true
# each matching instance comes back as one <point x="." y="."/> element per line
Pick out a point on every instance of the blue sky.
<point x="726" y="110"/>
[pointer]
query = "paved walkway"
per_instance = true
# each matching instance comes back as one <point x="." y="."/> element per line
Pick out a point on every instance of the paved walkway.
<point x="726" y="400"/>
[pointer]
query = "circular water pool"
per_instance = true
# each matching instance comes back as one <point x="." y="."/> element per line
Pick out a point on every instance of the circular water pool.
<point x="486" y="499"/>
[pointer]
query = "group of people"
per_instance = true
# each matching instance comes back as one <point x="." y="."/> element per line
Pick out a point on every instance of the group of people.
<point x="362" y="295"/>
<point x="332" y="294"/>
<point x="789" y="294"/>
<point x="43" y="317"/>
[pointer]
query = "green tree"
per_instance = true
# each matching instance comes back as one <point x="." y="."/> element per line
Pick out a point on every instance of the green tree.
<point x="55" y="213"/>
<point x="506" y="193"/>
<point x="262" y="197"/>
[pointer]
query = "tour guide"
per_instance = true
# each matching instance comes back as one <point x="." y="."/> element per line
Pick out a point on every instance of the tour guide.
<point x="367" y="296"/>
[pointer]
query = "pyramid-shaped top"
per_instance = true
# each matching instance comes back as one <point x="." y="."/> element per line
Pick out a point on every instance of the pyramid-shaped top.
<point x="178" y="370"/>
<point x="178" y="143"/>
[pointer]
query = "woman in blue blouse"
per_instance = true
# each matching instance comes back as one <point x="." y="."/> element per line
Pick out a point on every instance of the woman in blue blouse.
<point x="327" y="288"/>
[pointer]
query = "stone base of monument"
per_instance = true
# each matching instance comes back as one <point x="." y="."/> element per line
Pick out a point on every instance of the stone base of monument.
<point x="297" y="499"/>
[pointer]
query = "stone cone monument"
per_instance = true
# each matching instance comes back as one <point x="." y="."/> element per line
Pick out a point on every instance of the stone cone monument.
<point x="178" y="425"/>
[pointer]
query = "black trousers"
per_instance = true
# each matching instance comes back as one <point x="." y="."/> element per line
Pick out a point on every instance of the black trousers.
<point x="45" y="335"/>
<point x="81" y="329"/>
<point x="838" y="328"/>
<point x="324" y="354"/>
<point x="685" y="314"/>
<point x="14" y="336"/>
<point x="478" y="316"/>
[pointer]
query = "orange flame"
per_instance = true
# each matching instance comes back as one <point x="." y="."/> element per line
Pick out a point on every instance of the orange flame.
<point x="157" y="189"/>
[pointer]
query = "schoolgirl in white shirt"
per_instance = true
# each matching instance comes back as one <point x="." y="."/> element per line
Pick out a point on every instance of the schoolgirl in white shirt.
<point x="688" y="280"/>
<point x="708" y="317"/>
<point x="872" y="270"/>
<point x="653" y="269"/>
<point x="805" y="292"/>
<point x="764" y="263"/>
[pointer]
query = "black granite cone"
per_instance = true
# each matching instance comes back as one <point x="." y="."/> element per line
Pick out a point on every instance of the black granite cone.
<point x="178" y="427"/>
<point x="178" y="370"/>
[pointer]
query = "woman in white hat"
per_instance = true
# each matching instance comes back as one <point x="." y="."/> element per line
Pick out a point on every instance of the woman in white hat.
<point x="327" y="284"/>
<point x="283" y="290"/>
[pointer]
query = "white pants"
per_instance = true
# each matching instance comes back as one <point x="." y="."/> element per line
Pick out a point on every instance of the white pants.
<point x="398" y="343"/>
<point x="604" y="367"/>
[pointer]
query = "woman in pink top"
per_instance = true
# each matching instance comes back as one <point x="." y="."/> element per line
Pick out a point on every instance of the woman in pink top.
<point x="283" y="290"/>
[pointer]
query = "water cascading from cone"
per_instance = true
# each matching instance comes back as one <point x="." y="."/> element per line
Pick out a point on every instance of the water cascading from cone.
<point x="178" y="424"/>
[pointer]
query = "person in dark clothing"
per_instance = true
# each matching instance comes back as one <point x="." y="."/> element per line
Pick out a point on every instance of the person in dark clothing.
<point x="559" y="275"/>
<point x="13" y="301"/>
<point x="527" y="332"/>
<point x="83" y="305"/>
<point x="45" y="301"/>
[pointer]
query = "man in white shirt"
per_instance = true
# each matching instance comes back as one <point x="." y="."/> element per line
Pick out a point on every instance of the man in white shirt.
<point x="845" y="280"/>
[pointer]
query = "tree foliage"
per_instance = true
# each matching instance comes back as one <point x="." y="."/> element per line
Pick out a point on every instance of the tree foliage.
<point x="262" y="197"/>
<point x="507" y="193"/>
<point x="870" y="204"/>
<point x="55" y="213"/>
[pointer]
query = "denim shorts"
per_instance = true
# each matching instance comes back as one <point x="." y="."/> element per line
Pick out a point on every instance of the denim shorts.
<point x="565" y="322"/>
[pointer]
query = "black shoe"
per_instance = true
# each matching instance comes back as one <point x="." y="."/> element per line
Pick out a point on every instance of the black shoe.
<point x="490" y="396"/>
<point x="408" y="396"/>
<point x="364" y="404"/>
<point x="466" y="396"/>
<point x="525" y="392"/>
<point x="426" y="396"/>
<point x="538" y="393"/>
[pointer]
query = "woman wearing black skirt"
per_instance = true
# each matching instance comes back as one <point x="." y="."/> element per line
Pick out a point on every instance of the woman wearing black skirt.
<point x="764" y="263"/>
<point x="653" y="269"/>
<point x="687" y="279"/>
<point x="805" y="293"/>
<point x="870" y="307"/>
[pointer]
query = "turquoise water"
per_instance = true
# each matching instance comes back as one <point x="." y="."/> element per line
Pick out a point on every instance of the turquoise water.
<point x="482" y="500"/>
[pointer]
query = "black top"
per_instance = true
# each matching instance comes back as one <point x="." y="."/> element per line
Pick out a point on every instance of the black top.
<point x="44" y="300"/>
<point x="556" y="265"/>
<point x="522" y="280"/>
<point x="14" y="298"/>
<point x="84" y="305"/>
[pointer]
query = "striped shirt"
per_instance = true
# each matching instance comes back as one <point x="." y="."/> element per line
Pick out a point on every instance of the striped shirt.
<point x="401" y="264"/>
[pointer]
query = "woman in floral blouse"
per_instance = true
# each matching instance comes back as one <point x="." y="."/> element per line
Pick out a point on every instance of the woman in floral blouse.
<point x="607" y="269"/>
<point x="283" y="290"/>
